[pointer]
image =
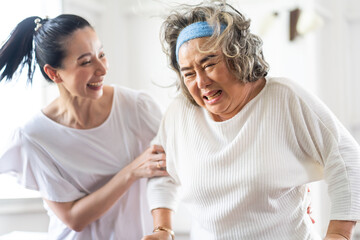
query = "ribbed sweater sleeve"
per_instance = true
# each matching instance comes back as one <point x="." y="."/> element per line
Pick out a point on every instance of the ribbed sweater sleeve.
<point x="335" y="149"/>
<point x="162" y="192"/>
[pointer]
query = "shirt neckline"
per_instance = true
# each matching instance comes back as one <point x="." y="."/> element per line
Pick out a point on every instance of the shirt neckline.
<point x="42" y="115"/>
<point x="240" y="113"/>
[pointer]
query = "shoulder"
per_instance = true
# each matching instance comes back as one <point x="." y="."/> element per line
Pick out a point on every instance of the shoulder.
<point x="288" y="92"/>
<point x="282" y="84"/>
<point x="301" y="103"/>
<point x="180" y="106"/>
<point x="136" y="104"/>
<point x="35" y="124"/>
<point x="289" y="87"/>
<point x="180" y="112"/>
<point x="125" y="93"/>
<point x="131" y="96"/>
<point x="21" y="141"/>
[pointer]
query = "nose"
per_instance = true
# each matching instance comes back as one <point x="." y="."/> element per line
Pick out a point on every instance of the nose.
<point x="202" y="80"/>
<point x="101" y="67"/>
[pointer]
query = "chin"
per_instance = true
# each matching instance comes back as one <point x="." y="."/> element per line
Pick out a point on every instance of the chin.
<point x="97" y="95"/>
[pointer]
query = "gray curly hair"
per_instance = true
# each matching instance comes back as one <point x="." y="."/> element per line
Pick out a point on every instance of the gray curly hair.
<point x="242" y="50"/>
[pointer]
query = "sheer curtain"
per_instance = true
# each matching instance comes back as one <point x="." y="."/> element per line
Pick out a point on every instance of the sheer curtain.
<point x="19" y="100"/>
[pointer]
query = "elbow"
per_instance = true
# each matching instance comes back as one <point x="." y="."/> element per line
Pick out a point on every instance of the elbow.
<point x="77" y="227"/>
<point x="75" y="224"/>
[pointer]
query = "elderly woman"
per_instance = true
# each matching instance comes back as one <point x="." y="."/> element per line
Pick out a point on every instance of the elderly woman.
<point x="243" y="146"/>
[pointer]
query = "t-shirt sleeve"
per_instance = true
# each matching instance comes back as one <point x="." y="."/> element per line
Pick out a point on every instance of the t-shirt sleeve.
<point x="35" y="169"/>
<point x="149" y="117"/>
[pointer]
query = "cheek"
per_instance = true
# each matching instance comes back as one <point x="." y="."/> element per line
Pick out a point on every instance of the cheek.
<point x="192" y="88"/>
<point x="82" y="74"/>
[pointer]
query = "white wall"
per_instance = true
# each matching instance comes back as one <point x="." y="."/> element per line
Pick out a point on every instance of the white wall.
<point x="23" y="215"/>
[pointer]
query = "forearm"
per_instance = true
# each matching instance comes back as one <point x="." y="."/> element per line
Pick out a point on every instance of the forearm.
<point x="340" y="230"/>
<point x="162" y="217"/>
<point x="80" y="213"/>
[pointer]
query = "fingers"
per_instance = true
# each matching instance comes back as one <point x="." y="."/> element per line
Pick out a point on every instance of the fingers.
<point x="309" y="212"/>
<point x="159" y="157"/>
<point x="155" y="153"/>
<point x="159" y="169"/>
<point x="161" y="164"/>
<point x="151" y="163"/>
<point x="157" y="149"/>
<point x="158" y="166"/>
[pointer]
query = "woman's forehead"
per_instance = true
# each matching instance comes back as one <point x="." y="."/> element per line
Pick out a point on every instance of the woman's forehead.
<point x="82" y="40"/>
<point x="196" y="49"/>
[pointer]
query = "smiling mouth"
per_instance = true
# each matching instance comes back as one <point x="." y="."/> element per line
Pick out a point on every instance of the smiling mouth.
<point x="218" y="93"/>
<point x="97" y="84"/>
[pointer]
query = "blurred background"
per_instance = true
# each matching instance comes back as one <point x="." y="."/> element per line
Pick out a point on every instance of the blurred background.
<point x="314" y="42"/>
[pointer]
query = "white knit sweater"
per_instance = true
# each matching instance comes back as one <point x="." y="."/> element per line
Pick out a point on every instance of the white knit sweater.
<point x="245" y="178"/>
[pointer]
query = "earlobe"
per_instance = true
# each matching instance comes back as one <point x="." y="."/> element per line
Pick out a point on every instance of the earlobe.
<point x="52" y="73"/>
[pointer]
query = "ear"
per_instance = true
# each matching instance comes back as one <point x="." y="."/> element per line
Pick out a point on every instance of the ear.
<point x="52" y="73"/>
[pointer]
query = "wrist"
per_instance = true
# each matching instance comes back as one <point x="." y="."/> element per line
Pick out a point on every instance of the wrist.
<point x="130" y="173"/>
<point x="335" y="236"/>
<point x="340" y="230"/>
<point x="164" y="229"/>
<point x="125" y="177"/>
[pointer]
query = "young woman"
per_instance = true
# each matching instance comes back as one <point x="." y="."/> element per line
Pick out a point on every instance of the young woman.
<point x="87" y="152"/>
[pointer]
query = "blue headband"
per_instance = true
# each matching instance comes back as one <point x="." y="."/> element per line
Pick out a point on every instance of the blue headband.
<point x="195" y="30"/>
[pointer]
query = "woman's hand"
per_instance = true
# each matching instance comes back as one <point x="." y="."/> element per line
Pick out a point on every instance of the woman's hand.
<point x="158" y="236"/>
<point x="309" y="211"/>
<point x="151" y="163"/>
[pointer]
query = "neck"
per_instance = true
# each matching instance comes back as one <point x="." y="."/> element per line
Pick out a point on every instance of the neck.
<point x="76" y="112"/>
<point x="80" y="113"/>
<point x="251" y="90"/>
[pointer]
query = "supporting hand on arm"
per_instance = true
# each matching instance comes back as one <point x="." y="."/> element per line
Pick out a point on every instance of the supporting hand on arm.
<point x="79" y="213"/>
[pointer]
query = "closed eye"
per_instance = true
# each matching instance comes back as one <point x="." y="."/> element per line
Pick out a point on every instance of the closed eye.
<point x="85" y="63"/>
<point x="211" y="64"/>
<point x="189" y="75"/>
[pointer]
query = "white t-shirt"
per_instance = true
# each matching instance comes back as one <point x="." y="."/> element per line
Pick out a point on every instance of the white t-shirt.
<point x="65" y="164"/>
<point x="245" y="178"/>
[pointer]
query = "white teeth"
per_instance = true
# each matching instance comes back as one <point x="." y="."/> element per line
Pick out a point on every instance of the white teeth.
<point x="95" y="84"/>
<point x="214" y="96"/>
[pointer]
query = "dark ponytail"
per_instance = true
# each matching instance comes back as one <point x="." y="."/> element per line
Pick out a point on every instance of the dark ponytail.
<point x="48" y="39"/>
<point x="18" y="50"/>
